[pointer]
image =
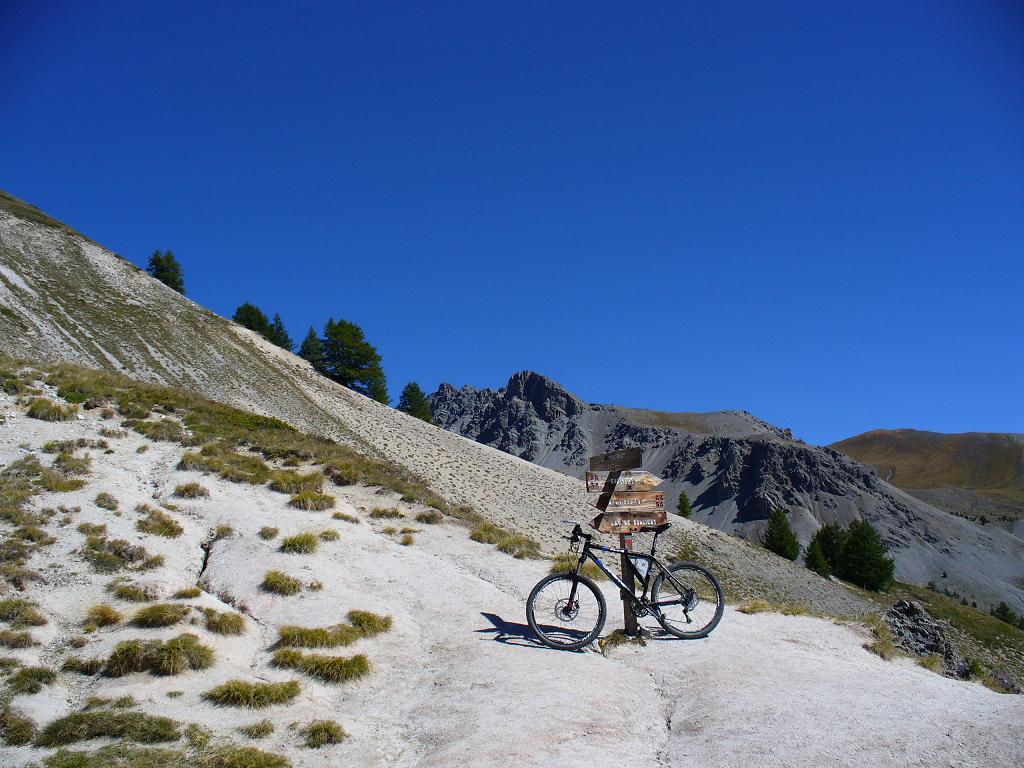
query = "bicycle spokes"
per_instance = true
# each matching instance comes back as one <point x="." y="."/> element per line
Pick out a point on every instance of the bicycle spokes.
<point x="563" y="615"/>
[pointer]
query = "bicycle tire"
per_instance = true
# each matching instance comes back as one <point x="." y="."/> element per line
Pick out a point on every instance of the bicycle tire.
<point x="705" y="630"/>
<point x="550" y="638"/>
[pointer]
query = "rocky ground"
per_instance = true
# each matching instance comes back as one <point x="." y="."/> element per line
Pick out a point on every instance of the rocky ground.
<point x="457" y="679"/>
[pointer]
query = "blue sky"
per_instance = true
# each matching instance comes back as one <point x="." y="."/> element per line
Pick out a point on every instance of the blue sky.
<point x="810" y="212"/>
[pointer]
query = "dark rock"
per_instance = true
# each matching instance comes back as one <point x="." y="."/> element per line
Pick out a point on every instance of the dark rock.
<point x="916" y="632"/>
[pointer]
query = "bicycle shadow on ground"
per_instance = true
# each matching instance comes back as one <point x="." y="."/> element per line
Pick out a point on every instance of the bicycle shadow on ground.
<point x="511" y="633"/>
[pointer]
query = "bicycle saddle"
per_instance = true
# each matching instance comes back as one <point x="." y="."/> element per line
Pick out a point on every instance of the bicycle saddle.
<point x="656" y="528"/>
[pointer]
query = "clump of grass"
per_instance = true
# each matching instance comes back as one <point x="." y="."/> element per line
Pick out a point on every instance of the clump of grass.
<point x="187" y="593"/>
<point x="162" y="430"/>
<point x="157" y="522"/>
<point x="291" y="482"/>
<point x="105" y="500"/>
<point x="346" y="517"/>
<point x="514" y="544"/>
<point x="329" y="534"/>
<point x="433" y="517"/>
<point x="786" y="609"/>
<point x="102" y="615"/>
<point x="11" y="639"/>
<point x="566" y="563"/>
<point x="300" y="543"/>
<point x="93" y="529"/>
<point x="190" y="491"/>
<point x="48" y="410"/>
<point x="320" y="733"/>
<point x="281" y="583"/>
<point x="242" y="693"/>
<point x="267" y="533"/>
<point x="69" y="446"/>
<point x="29" y="680"/>
<point x="386" y="514"/>
<point x="197" y="736"/>
<point x="104" y="723"/>
<point x="257" y="730"/>
<point x="407" y="540"/>
<point x="57" y="482"/>
<point x="390" y="530"/>
<point x="331" y="669"/>
<point x="224" y="622"/>
<point x="69" y="464"/>
<point x="20" y="613"/>
<point x="83" y="666"/>
<point x="933" y="663"/>
<point x="111" y="555"/>
<point x="315" y="585"/>
<point x="77" y="641"/>
<point x="172" y="657"/>
<point x="360" y="624"/>
<point x="111" y="431"/>
<point x="220" y="458"/>
<point x="124" y="590"/>
<point x="883" y="644"/>
<point x="160" y="615"/>
<point x="15" y="728"/>
<point x="312" y="501"/>
<point x="617" y="638"/>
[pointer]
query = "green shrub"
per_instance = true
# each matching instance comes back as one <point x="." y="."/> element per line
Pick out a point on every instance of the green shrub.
<point x="187" y="593"/>
<point x="331" y="669"/>
<point x="20" y="613"/>
<point x="320" y="733"/>
<point x="105" y="501"/>
<point x="30" y="680"/>
<point x="779" y="537"/>
<point x="241" y="693"/>
<point x="47" y="410"/>
<point x="224" y="622"/>
<point x="104" y="723"/>
<point x="432" y="517"/>
<point x="386" y="514"/>
<point x="291" y="482"/>
<point x="102" y="615"/>
<point x="267" y="532"/>
<point x="190" y="491"/>
<point x="160" y="615"/>
<point x="281" y="583"/>
<point x="83" y="666"/>
<point x="257" y="730"/>
<point x="15" y="728"/>
<point x="312" y="501"/>
<point x="300" y="543"/>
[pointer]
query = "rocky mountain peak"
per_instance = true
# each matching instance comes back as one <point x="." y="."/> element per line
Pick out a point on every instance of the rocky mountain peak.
<point x="548" y="398"/>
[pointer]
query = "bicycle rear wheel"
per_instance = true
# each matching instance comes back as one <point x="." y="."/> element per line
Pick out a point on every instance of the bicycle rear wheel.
<point x="691" y="603"/>
<point x="559" y="623"/>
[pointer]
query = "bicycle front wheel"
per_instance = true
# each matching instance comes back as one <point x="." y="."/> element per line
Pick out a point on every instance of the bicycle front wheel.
<point x="566" y="611"/>
<point x="690" y="602"/>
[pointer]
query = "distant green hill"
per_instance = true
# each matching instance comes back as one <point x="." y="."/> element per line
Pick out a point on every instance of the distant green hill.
<point x="981" y="472"/>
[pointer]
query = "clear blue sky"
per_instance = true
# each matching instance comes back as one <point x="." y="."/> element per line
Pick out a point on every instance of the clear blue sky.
<point x="809" y="212"/>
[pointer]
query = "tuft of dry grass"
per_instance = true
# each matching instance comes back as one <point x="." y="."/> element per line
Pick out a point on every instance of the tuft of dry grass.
<point x="103" y="615"/>
<point x="105" y="500"/>
<point x="514" y="544"/>
<point x="188" y="593"/>
<point x="242" y="693"/>
<point x="281" y="583"/>
<point x="83" y="666"/>
<point x="105" y="723"/>
<point x="433" y="517"/>
<point x="933" y="663"/>
<point x="20" y="613"/>
<point x="29" y="680"/>
<point x="16" y="728"/>
<point x="386" y="514"/>
<point x="191" y="491"/>
<point x="231" y="465"/>
<point x="360" y="624"/>
<point x="172" y="657"/>
<point x="69" y="464"/>
<point x="311" y="501"/>
<point x="300" y="544"/>
<point x="786" y="609"/>
<point x="124" y="590"/>
<point x="160" y="615"/>
<point x="291" y="482"/>
<point x="883" y="644"/>
<point x="566" y="563"/>
<point x="91" y="529"/>
<point x="346" y="517"/>
<point x="329" y="534"/>
<point x="48" y="410"/>
<point x="58" y="482"/>
<point x="267" y="533"/>
<point x="224" y="622"/>
<point x="330" y="669"/>
<point x="10" y="639"/>
<point x="320" y="733"/>
<point x="407" y="540"/>
<point x="258" y="730"/>
<point x="157" y="522"/>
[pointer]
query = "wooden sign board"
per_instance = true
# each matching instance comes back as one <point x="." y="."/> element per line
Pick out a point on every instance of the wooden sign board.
<point x="627" y="522"/>
<point x="635" y="501"/>
<point x="625" y="458"/>
<point x="637" y="480"/>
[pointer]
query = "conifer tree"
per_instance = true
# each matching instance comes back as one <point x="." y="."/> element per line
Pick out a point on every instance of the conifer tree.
<point x="252" y="317"/>
<point x="683" y="506"/>
<point x="830" y="538"/>
<point x="815" y="558"/>
<point x="352" y="361"/>
<point x="278" y="334"/>
<point x="312" y="350"/>
<point x="862" y="558"/>
<point x="165" y="268"/>
<point x="414" y="402"/>
<point x="779" y="537"/>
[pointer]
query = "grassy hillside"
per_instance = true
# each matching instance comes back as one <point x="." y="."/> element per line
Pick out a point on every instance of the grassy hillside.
<point x="990" y="464"/>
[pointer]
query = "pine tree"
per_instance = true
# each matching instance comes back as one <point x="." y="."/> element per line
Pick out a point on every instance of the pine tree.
<point x="683" y="506"/>
<point x="278" y="334"/>
<point x="815" y="558"/>
<point x="414" y="402"/>
<point x="312" y="350"/>
<point x="1003" y="612"/>
<point x="252" y="317"/>
<point x="352" y="361"/>
<point x="779" y="537"/>
<point x="830" y="538"/>
<point x="165" y="268"/>
<point x="862" y="558"/>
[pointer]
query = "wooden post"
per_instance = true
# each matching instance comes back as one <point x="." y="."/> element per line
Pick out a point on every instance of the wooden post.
<point x="628" y="617"/>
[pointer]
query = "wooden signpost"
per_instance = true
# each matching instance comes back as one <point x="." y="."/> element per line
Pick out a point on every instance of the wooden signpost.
<point x="627" y="505"/>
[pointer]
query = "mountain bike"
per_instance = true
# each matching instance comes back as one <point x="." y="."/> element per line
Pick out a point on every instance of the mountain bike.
<point x="567" y="611"/>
